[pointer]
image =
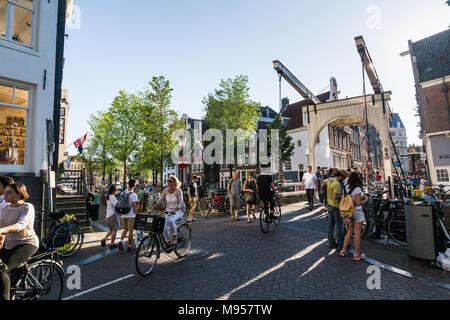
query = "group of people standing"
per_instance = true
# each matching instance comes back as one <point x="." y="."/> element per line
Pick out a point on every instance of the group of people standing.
<point x="331" y="187"/>
<point x="335" y="187"/>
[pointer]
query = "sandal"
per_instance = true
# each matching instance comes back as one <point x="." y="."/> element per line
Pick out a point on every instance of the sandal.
<point x="343" y="253"/>
<point x="359" y="257"/>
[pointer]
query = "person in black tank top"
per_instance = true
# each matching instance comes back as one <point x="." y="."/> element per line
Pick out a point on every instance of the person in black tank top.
<point x="251" y="190"/>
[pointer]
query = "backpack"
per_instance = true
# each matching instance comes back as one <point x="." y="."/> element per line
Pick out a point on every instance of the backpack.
<point x="123" y="205"/>
<point x="346" y="206"/>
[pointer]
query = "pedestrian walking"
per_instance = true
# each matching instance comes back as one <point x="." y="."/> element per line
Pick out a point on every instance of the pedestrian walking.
<point x="250" y="189"/>
<point x="141" y="198"/>
<point x="335" y="221"/>
<point x="309" y="183"/>
<point x="320" y="177"/>
<point x="129" y="218"/>
<point x="354" y="188"/>
<point x="193" y="195"/>
<point x="95" y="207"/>
<point x="234" y="190"/>
<point x="112" y="217"/>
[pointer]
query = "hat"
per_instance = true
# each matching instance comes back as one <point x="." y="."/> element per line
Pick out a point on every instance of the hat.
<point x="344" y="173"/>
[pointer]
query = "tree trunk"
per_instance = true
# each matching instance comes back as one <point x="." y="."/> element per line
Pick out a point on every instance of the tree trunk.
<point x="124" y="174"/>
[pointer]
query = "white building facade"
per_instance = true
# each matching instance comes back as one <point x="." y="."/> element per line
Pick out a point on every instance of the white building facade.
<point x="28" y="60"/>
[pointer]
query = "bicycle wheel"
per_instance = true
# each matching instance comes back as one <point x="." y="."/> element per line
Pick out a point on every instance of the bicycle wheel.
<point x="277" y="214"/>
<point x="147" y="255"/>
<point x="183" y="236"/>
<point x="396" y="228"/>
<point x="203" y="206"/>
<point x="264" y="220"/>
<point x="44" y="281"/>
<point x="68" y="242"/>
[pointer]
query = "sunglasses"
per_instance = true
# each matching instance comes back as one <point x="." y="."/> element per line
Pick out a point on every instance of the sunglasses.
<point x="170" y="180"/>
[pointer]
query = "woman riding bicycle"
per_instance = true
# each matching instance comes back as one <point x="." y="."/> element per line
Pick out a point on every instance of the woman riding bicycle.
<point x="18" y="241"/>
<point x="172" y="200"/>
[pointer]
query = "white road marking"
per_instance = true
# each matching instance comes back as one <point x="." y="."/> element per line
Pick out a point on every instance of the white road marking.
<point x="98" y="287"/>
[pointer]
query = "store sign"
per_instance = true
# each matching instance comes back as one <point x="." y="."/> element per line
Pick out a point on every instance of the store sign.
<point x="444" y="156"/>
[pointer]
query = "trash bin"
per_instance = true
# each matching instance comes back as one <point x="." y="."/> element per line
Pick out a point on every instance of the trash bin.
<point x="420" y="231"/>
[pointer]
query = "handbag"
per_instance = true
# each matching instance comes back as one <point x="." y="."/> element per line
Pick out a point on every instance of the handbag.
<point x="249" y="197"/>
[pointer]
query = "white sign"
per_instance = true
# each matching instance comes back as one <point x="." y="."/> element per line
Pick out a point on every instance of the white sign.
<point x="52" y="180"/>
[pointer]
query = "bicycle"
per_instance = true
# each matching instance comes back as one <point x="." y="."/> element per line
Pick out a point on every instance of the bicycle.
<point x="216" y="202"/>
<point x="149" y="249"/>
<point x="393" y="225"/>
<point x="65" y="236"/>
<point x="42" y="276"/>
<point x="265" y="218"/>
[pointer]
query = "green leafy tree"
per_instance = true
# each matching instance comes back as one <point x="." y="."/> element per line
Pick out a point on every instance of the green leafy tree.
<point x="101" y="126"/>
<point x="230" y="107"/>
<point x="127" y="135"/>
<point x="159" y="122"/>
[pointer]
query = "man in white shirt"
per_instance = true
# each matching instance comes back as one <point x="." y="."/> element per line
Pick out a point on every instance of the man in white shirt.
<point x="309" y="183"/>
<point x="128" y="219"/>
<point x="4" y="182"/>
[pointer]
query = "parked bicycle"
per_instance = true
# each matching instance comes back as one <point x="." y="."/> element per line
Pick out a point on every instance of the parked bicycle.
<point x="65" y="236"/>
<point x="265" y="219"/>
<point x="41" y="277"/>
<point x="217" y="201"/>
<point x="149" y="249"/>
<point x="392" y="224"/>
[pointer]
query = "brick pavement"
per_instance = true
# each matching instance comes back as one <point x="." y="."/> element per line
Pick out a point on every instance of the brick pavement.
<point x="236" y="261"/>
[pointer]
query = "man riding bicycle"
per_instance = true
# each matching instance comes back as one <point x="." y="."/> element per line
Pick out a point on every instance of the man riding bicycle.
<point x="266" y="187"/>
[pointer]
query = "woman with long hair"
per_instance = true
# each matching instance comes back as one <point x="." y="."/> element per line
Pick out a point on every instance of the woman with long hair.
<point x="172" y="200"/>
<point x="354" y="188"/>
<point x="111" y="217"/>
<point x="251" y="189"/>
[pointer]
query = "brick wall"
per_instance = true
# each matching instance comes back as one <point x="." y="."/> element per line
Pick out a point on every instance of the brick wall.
<point x="436" y="112"/>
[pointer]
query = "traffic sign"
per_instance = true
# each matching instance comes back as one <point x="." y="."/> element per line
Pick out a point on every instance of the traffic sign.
<point x="398" y="164"/>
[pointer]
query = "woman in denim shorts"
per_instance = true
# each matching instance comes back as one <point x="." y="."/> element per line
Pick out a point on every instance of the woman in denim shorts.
<point x="355" y="223"/>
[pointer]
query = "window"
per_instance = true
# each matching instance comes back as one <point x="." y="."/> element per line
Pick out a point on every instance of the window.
<point x="287" y="165"/>
<point x="61" y="130"/>
<point x="300" y="167"/>
<point x="299" y="143"/>
<point x="442" y="175"/>
<point x="14" y="106"/>
<point x="246" y="159"/>
<point x="16" y="20"/>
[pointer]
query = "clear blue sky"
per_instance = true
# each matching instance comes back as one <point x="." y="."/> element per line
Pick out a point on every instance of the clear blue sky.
<point x="196" y="43"/>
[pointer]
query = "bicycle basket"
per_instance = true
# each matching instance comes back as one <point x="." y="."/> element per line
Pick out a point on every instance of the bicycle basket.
<point x="57" y="215"/>
<point x="149" y="223"/>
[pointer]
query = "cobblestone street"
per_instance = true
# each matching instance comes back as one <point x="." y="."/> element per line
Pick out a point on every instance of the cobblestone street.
<point x="235" y="260"/>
